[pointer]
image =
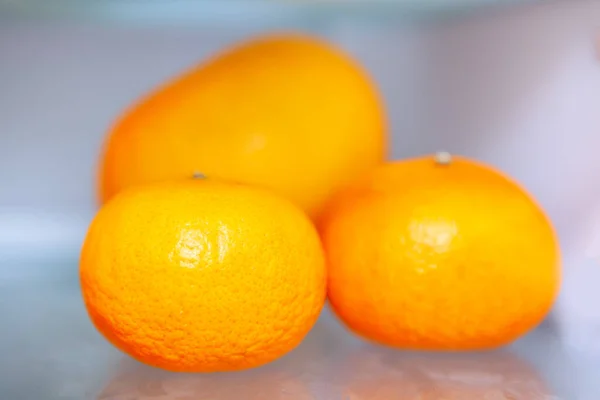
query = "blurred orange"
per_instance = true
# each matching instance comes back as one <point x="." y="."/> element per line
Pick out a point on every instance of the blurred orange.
<point x="287" y="112"/>
<point x="440" y="253"/>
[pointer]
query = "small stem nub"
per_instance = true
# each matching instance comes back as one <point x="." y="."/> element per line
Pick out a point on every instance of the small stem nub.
<point x="443" y="158"/>
<point x="198" y="175"/>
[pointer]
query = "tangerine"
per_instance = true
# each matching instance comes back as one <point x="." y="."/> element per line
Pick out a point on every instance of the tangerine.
<point x="201" y="276"/>
<point x="287" y="112"/>
<point x="440" y="253"/>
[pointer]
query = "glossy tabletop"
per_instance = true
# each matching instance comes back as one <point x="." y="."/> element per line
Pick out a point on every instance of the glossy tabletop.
<point x="51" y="351"/>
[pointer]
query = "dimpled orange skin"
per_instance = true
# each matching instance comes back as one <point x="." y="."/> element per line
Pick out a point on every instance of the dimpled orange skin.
<point x="287" y="112"/>
<point x="200" y="276"/>
<point x="434" y="256"/>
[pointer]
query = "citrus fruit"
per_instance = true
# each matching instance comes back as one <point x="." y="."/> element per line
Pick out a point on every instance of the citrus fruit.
<point x="287" y="112"/>
<point x="439" y="253"/>
<point x="202" y="275"/>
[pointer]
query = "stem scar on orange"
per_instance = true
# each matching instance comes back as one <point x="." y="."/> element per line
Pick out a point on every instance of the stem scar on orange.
<point x="202" y="276"/>
<point x="287" y="112"/>
<point x="440" y="253"/>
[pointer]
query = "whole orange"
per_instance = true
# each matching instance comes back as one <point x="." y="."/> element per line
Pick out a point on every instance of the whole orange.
<point x="202" y="276"/>
<point x="286" y="112"/>
<point x="440" y="253"/>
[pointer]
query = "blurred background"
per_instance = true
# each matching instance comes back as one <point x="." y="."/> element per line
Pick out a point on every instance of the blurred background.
<point x="514" y="83"/>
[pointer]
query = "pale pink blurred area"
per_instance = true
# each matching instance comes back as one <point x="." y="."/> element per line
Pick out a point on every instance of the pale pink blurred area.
<point x="517" y="87"/>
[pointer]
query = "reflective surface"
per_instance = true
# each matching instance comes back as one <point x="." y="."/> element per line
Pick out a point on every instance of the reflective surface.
<point x="51" y="351"/>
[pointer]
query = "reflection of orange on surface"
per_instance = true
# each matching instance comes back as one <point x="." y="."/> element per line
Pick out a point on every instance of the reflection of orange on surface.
<point x="374" y="374"/>
<point x="141" y="383"/>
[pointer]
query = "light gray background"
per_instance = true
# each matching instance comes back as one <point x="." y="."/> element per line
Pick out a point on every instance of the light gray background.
<point x="518" y="88"/>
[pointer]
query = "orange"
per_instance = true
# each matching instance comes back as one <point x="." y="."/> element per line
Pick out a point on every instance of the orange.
<point x="202" y="276"/>
<point x="286" y="112"/>
<point x="440" y="253"/>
